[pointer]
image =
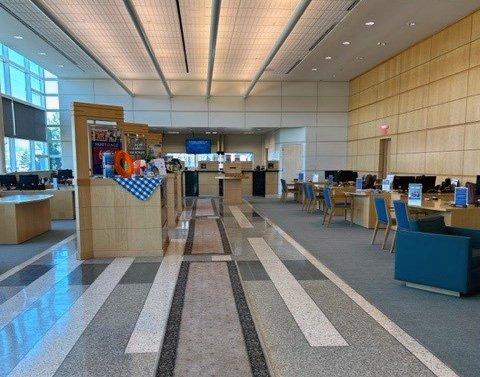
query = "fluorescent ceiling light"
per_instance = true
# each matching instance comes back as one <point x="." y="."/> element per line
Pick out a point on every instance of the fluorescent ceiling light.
<point x="345" y="43"/>
<point x="314" y="69"/>
<point x="381" y="43"/>
<point x="42" y="53"/>
<point x="17" y="37"/>
<point x="328" y="57"/>
<point x="173" y="132"/>
<point x="369" y="23"/>
<point x="411" y="23"/>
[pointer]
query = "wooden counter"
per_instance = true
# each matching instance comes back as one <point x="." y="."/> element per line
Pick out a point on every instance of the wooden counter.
<point x="207" y="184"/>
<point x="454" y="216"/>
<point x="232" y="189"/>
<point x="23" y="217"/>
<point x="62" y="204"/>
<point x="111" y="222"/>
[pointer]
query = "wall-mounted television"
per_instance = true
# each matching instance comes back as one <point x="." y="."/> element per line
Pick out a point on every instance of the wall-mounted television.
<point x="198" y="146"/>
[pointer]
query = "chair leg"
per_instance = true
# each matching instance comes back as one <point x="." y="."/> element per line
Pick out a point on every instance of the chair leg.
<point x="385" y="238"/>
<point x="332" y="210"/>
<point x="325" y="213"/>
<point x="393" y="241"/>
<point x="375" y="231"/>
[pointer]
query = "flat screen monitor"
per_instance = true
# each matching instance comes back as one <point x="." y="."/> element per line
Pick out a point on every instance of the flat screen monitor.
<point x="198" y="146"/>
<point x="328" y="173"/>
<point x="427" y="181"/>
<point x="8" y="180"/>
<point x="401" y="182"/>
<point x="28" y="181"/>
<point x="65" y="174"/>
<point x="477" y="186"/>
<point x="346" y="176"/>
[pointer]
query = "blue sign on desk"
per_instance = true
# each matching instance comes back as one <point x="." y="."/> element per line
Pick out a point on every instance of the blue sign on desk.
<point x="415" y="194"/>
<point x="461" y="197"/>
<point x="359" y="184"/>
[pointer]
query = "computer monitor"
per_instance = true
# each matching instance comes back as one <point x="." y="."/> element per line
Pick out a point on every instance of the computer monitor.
<point x="329" y="173"/>
<point x="64" y="174"/>
<point x="345" y="176"/>
<point x="477" y="186"/>
<point x="401" y="182"/>
<point x="28" y="182"/>
<point x="8" y="181"/>
<point x="427" y="181"/>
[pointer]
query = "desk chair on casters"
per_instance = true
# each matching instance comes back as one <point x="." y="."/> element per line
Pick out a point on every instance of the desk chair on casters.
<point x="383" y="218"/>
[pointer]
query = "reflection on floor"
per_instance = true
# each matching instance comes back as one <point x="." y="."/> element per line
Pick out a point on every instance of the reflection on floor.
<point x="186" y="314"/>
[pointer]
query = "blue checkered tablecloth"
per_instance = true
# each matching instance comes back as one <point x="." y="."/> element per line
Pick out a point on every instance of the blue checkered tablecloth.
<point x="141" y="187"/>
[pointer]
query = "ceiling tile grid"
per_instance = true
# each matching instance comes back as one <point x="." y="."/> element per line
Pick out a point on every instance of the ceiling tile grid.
<point x="27" y="12"/>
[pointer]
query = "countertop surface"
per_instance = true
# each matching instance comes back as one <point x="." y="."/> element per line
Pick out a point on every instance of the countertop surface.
<point x="218" y="171"/>
<point x="23" y="199"/>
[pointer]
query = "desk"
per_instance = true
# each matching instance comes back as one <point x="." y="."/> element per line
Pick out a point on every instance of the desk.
<point x="23" y="217"/>
<point x="62" y="204"/>
<point x="363" y="208"/>
<point x="459" y="217"/>
<point x="232" y="189"/>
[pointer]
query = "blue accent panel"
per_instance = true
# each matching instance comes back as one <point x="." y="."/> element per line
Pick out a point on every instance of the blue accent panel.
<point x="401" y="215"/>
<point x="381" y="209"/>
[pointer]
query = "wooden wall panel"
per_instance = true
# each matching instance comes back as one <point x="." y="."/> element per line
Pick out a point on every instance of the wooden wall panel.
<point x="429" y="95"/>
<point x="452" y="37"/>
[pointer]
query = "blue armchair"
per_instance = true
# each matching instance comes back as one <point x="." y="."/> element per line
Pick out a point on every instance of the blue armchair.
<point x="437" y="257"/>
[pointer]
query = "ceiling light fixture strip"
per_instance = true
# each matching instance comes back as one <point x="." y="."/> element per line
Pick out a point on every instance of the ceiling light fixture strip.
<point x="83" y="47"/>
<point x="146" y="42"/>
<point x="297" y="13"/>
<point x="11" y="13"/>
<point x="215" y="17"/>
<point x="180" y="21"/>
<point x="323" y="36"/>
<point x="293" y="66"/>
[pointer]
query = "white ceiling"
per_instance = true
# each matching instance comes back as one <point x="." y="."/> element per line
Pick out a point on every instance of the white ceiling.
<point x="246" y="33"/>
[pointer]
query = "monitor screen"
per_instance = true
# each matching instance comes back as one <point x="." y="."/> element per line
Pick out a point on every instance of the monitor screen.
<point x="28" y="180"/>
<point x="65" y="174"/>
<point x="8" y="180"/>
<point x="477" y="187"/>
<point x="198" y="146"/>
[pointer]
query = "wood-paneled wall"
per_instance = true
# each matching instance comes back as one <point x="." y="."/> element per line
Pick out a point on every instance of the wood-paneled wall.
<point x="429" y="96"/>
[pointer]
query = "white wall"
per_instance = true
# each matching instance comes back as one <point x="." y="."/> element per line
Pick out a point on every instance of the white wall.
<point x="282" y="105"/>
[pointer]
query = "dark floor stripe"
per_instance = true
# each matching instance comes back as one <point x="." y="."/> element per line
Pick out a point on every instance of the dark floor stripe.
<point x="215" y="209"/>
<point x="168" y="355"/>
<point x="252" y="342"/>
<point x="223" y="235"/>
<point x="194" y="208"/>
<point x="190" y="235"/>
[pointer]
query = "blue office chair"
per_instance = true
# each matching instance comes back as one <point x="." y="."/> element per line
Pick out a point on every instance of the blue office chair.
<point x="330" y="205"/>
<point x="383" y="218"/>
<point x="402" y="219"/>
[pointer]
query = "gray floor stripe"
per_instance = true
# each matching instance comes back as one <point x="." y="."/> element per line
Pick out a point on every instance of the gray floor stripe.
<point x="223" y="234"/>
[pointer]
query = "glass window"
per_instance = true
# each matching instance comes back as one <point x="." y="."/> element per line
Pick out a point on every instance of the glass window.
<point x="37" y="99"/>
<point x="18" y="83"/>
<point x="52" y="102"/>
<point x="48" y="75"/>
<point x="16" y="57"/>
<point x="41" y="155"/>
<point x="35" y="68"/>
<point x="7" y="155"/>
<point x="23" y="156"/>
<point x="53" y="133"/>
<point x="36" y="84"/>
<point x="55" y="163"/>
<point x="54" y="149"/>
<point x="51" y="87"/>
<point x="53" y="118"/>
<point x="2" y="77"/>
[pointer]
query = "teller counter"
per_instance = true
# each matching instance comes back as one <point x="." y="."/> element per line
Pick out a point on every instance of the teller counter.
<point x="62" y="203"/>
<point x="111" y="222"/>
<point x="23" y="217"/>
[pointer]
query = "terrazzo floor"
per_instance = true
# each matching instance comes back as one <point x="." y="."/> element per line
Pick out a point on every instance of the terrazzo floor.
<point x="233" y="296"/>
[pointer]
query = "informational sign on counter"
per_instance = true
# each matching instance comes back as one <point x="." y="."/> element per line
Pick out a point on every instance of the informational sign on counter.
<point x="386" y="185"/>
<point x="98" y="149"/>
<point x="359" y="184"/>
<point x="415" y="194"/>
<point x="461" y="197"/>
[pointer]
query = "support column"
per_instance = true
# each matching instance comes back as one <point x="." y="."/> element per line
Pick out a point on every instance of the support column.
<point x="3" y="168"/>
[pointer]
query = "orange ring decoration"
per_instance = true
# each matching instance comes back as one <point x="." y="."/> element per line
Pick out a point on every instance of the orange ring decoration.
<point x="122" y="156"/>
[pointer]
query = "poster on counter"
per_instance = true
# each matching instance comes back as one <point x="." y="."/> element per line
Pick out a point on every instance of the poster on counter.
<point x="461" y="197"/>
<point x="359" y="184"/>
<point x="98" y="149"/>
<point x="415" y="194"/>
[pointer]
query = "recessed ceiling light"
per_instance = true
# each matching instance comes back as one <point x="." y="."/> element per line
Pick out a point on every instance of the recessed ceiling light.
<point x="334" y="75"/>
<point x="60" y="65"/>
<point x="174" y="132"/>
<point x="411" y="23"/>
<point x="214" y="132"/>
<point x="42" y="53"/>
<point x="328" y="57"/>
<point x="17" y="37"/>
<point x="345" y="43"/>
<point x="207" y="132"/>
<point x="381" y="43"/>
<point x="369" y="23"/>
<point x="360" y="57"/>
<point x="314" y="69"/>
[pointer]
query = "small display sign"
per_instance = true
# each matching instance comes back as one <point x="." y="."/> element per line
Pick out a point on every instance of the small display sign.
<point x="301" y="175"/>
<point x="330" y="178"/>
<point x="359" y="184"/>
<point x="461" y="197"/>
<point x="386" y="185"/>
<point x="415" y="194"/>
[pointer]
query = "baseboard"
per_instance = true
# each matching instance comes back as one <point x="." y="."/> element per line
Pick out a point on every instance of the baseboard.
<point x="433" y="289"/>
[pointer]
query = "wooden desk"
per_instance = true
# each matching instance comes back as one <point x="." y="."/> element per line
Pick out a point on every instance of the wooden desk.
<point x="363" y="208"/>
<point x="232" y="189"/>
<point x="62" y="204"/>
<point x="459" y="217"/>
<point x="23" y="217"/>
